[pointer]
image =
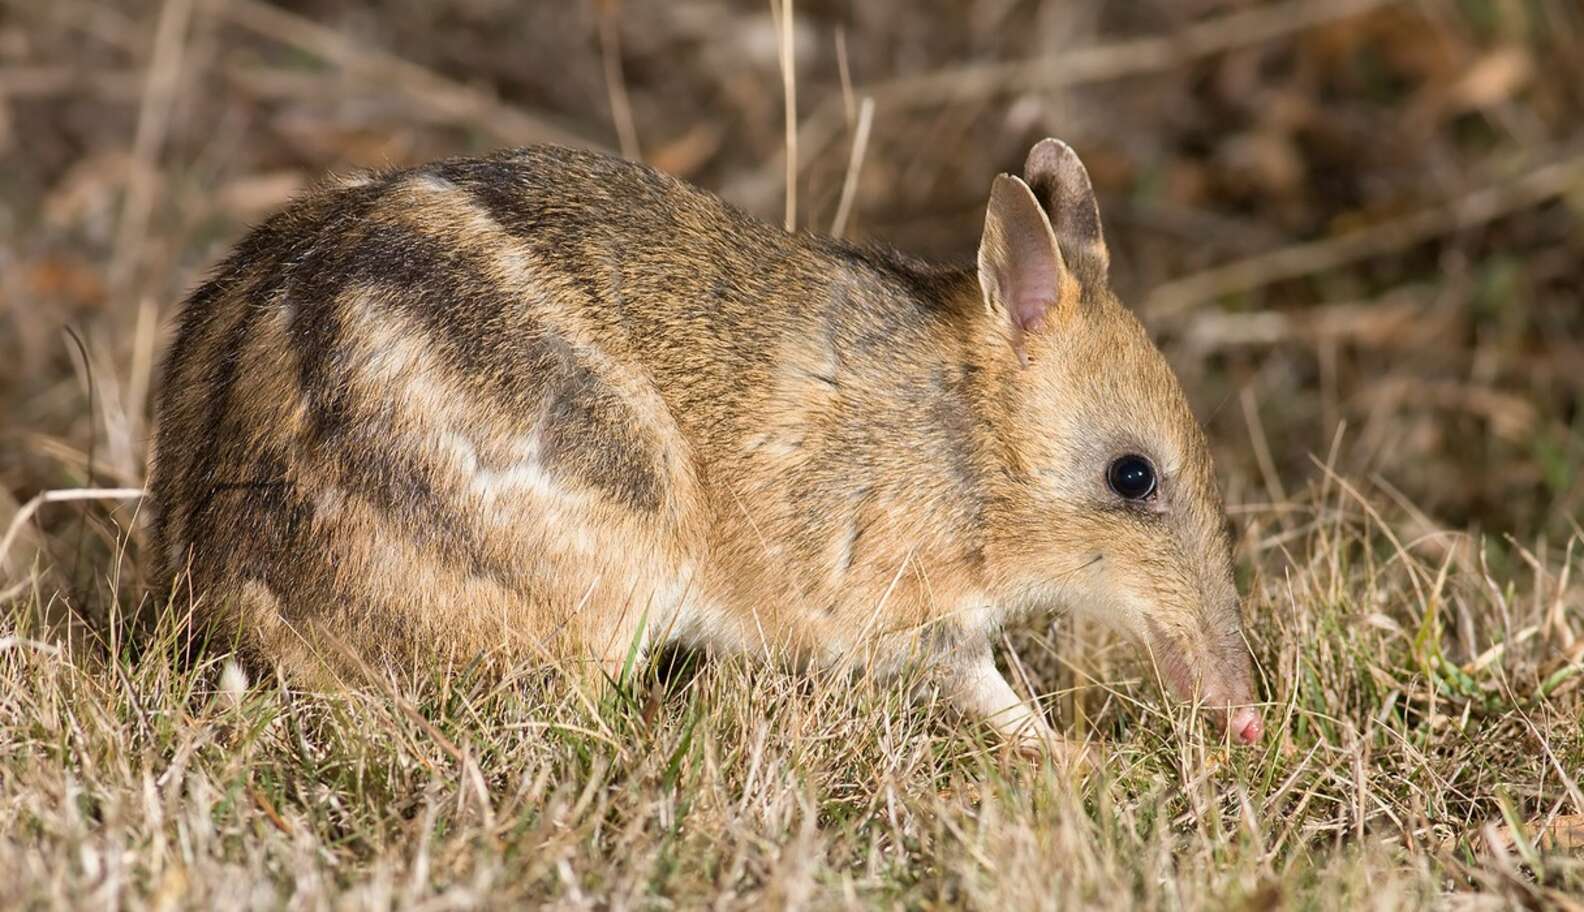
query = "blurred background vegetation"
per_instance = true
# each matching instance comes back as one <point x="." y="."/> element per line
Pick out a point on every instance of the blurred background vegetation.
<point x="1353" y="224"/>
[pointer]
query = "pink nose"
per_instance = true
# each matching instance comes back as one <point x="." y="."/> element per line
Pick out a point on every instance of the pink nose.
<point x="1246" y="725"/>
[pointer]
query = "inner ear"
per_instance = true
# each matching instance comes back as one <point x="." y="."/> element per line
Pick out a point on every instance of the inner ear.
<point x="1061" y="185"/>
<point x="1020" y="265"/>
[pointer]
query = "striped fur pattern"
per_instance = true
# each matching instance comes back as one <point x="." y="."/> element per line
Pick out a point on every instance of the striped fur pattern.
<point x="548" y="405"/>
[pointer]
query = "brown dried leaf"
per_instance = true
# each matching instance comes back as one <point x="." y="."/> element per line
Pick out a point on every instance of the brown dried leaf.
<point x="67" y="281"/>
<point x="1493" y="79"/>
<point x="1561" y="834"/>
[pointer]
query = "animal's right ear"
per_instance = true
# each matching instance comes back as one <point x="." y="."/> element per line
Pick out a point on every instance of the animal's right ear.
<point x="1061" y="183"/>
<point x="1020" y="265"/>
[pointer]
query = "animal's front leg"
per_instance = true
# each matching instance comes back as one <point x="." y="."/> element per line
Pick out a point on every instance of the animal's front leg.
<point x="979" y="689"/>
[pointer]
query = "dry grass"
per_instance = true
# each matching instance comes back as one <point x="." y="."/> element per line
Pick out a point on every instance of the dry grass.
<point x="1395" y="776"/>
<point x="1355" y="227"/>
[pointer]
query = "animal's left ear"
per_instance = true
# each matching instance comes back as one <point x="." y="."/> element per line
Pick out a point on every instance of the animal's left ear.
<point x="1020" y="267"/>
<point x="1061" y="184"/>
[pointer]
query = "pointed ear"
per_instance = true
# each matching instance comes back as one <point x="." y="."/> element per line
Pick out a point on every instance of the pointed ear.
<point x="1061" y="184"/>
<point x="1020" y="266"/>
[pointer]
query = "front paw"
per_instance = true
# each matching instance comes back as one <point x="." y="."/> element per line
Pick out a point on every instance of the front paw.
<point x="1070" y="756"/>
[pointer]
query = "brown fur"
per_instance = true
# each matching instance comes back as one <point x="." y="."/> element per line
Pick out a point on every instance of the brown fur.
<point x="549" y="403"/>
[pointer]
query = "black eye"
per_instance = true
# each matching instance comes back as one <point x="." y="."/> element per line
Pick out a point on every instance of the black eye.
<point x="1131" y="477"/>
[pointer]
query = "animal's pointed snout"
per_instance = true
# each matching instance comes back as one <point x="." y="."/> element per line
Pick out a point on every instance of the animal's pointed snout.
<point x="1245" y="725"/>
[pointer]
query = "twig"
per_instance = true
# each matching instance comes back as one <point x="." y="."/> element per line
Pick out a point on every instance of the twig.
<point x="789" y="93"/>
<point x="1482" y="205"/>
<point x="7" y="643"/>
<point x="93" y="438"/>
<point x="262" y="802"/>
<point x="50" y="81"/>
<point x="442" y="96"/>
<point x="60" y="496"/>
<point x="1262" y="450"/>
<point x="615" y="80"/>
<point x="854" y="165"/>
<point x="844" y="73"/>
<point x="159" y="95"/>
<point x="145" y="339"/>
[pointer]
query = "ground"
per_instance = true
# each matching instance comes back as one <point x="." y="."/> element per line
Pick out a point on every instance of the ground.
<point x="1354" y="226"/>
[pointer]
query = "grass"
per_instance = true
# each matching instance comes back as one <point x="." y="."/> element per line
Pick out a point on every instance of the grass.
<point x="1392" y="777"/>
<point x="1366" y="222"/>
